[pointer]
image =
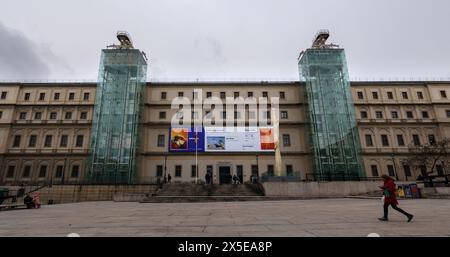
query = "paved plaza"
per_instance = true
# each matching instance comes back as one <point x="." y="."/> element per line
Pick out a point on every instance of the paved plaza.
<point x="326" y="217"/>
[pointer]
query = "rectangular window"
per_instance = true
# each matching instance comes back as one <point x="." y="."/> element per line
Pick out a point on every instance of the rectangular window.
<point x="265" y="94"/>
<point x="400" y="140"/>
<point x="163" y="95"/>
<point x="267" y="115"/>
<point x="75" y="171"/>
<point x="416" y="140"/>
<point x="432" y="139"/>
<point x="178" y="171"/>
<point x="1" y="114"/>
<point x="391" y="170"/>
<point x="63" y="142"/>
<point x="363" y="115"/>
<point x="374" y="170"/>
<point x="224" y="115"/>
<point x="282" y="95"/>
<point x="11" y="171"/>
<point x="249" y="94"/>
<point x="237" y="115"/>
<point x="53" y="115"/>
<point x="59" y="171"/>
<point x="289" y="170"/>
<point x="270" y="170"/>
<point x="83" y="115"/>
<point x="79" y="142"/>
<point x="162" y="115"/>
<point x="448" y="113"/>
<point x="443" y="94"/>
<point x="161" y="140"/>
<point x="48" y="141"/>
<point x="32" y="142"/>
<point x="360" y="95"/>
<point x="159" y="170"/>
<point x="180" y="94"/>
<point x="208" y="94"/>
<point x="255" y="171"/>
<point x="236" y="94"/>
<point x="41" y="96"/>
<point x="375" y="95"/>
<point x="286" y="140"/>
<point x="26" y="171"/>
<point x="26" y="97"/>
<point x="390" y="95"/>
<point x="71" y="96"/>
<point x="419" y="95"/>
<point x="405" y="95"/>
<point x="193" y="171"/>
<point x="86" y="96"/>
<point x="394" y="115"/>
<point x="369" y="141"/>
<point x="38" y="115"/>
<point x="68" y="115"/>
<point x="407" y="170"/>
<point x="409" y="115"/>
<point x="56" y="96"/>
<point x="425" y="115"/>
<point x="379" y="114"/>
<point x="22" y="116"/>
<point x="43" y="171"/>
<point x="384" y="140"/>
<point x="16" y="142"/>
<point x="223" y="95"/>
<point x="284" y="114"/>
<point x="4" y="93"/>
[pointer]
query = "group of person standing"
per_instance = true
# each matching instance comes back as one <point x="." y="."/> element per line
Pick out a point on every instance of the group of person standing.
<point x="32" y="201"/>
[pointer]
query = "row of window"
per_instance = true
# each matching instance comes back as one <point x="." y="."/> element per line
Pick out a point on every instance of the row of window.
<point x="400" y="140"/>
<point x="52" y="115"/>
<point x="390" y="95"/>
<point x="406" y="169"/>
<point x="223" y="115"/>
<point x="209" y="169"/>
<point x="395" y="115"/>
<point x="63" y="142"/>
<point x="162" y="140"/>
<point x="56" y="96"/>
<point x="223" y="95"/>
<point x="27" y="170"/>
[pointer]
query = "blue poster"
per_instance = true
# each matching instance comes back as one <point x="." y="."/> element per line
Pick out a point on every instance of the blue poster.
<point x="185" y="140"/>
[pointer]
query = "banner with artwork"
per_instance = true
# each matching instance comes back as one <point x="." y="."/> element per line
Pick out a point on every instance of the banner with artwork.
<point x="239" y="139"/>
<point x="185" y="140"/>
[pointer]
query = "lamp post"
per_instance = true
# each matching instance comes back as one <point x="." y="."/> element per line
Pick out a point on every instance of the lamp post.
<point x="395" y="168"/>
<point x="257" y="166"/>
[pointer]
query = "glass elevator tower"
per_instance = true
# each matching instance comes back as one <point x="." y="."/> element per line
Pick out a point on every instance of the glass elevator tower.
<point x="333" y="134"/>
<point x="117" y="113"/>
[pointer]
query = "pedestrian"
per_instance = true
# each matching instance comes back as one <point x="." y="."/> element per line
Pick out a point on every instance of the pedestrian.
<point x="169" y="178"/>
<point x="390" y="198"/>
<point x="207" y="178"/>
<point x="234" y="179"/>
<point x="28" y="201"/>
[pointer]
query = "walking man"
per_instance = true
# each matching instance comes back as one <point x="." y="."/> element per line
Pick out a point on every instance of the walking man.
<point x="390" y="198"/>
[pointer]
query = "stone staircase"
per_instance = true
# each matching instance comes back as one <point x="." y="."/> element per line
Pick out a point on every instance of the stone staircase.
<point x="205" y="193"/>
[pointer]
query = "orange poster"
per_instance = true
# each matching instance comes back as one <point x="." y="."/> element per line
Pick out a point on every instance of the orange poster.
<point x="266" y="138"/>
<point x="179" y="139"/>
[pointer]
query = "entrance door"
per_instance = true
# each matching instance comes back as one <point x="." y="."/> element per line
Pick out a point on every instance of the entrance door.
<point x="224" y="175"/>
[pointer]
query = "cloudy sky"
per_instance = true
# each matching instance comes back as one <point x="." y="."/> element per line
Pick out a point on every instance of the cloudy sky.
<point x="224" y="39"/>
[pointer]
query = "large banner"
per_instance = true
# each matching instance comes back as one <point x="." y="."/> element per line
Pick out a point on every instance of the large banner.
<point x="183" y="140"/>
<point x="239" y="139"/>
<point x="225" y="139"/>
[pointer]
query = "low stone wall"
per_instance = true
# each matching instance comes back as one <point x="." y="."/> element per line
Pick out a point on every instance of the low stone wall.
<point x="319" y="189"/>
<point x="85" y="193"/>
<point x="435" y="192"/>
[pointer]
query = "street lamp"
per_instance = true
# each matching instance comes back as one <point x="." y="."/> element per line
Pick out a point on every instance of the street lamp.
<point x="395" y="168"/>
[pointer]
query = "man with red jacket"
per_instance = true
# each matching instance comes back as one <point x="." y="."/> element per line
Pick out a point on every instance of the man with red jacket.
<point x="390" y="198"/>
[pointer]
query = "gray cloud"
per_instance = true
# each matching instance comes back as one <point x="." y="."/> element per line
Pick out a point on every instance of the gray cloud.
<point x="19" y="56"/>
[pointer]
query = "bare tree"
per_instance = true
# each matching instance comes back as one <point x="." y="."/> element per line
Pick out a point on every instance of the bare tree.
<point x="426" y="157"/>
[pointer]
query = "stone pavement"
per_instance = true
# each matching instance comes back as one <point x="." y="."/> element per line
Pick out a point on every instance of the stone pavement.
<point x="325" y="217"/>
